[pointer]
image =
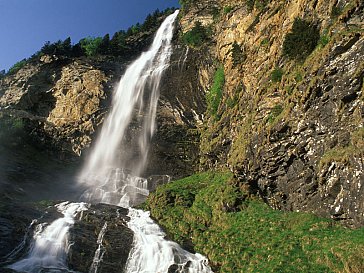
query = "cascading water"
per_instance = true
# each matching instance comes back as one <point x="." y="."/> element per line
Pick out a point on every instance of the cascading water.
<point x="152" y="253"/>
<point x="105" y="173"/>
<point x="112" y="175"/>
<point x="48" y="252"/>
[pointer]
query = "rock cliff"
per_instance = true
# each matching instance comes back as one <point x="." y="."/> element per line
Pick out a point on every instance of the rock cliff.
<point x="289" y="128"/>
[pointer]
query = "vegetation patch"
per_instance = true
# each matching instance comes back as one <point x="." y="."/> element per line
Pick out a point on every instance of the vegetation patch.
<point x="301" y="41"/>
<point x="240" y="233"/>
<point x="343" y="154"/>
<point x="215" y="93"/>
<point x="277" y="74"/>
<point x="228" y="9"/>
<point x="274" y="113"/>
<point x="16" y="67"/>
<point x="196" y="36"/>
<point x="258" y="4"/>
<point x="238" y="54"/>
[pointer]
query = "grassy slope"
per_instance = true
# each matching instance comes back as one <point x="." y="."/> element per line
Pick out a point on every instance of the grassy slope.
<point x="239" y="233"/>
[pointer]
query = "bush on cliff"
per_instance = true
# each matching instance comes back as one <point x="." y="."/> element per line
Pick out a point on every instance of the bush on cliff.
<point x="196" y="36"/>
<point x="16" y="67"/>
<point x="240" y="233"/>
<point x="301" y="41"/>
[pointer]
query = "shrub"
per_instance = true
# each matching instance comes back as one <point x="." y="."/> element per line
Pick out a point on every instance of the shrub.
<point x="335" y="12"/>
<point x="298" y="77"/>
<point x="274" y="113"/>
<point x="277" y="74"/>
<point x="324" y="39"/>
<point x="16" y="67"/>
<point x="264" y="42"/>
<point x="238" y="54"/>
<point x="301" y="41"/>
<point x="250" y="4"/>
<point x="228" y="9"/>
<point x="90" y="45"/>
<point x="215" y="93"/>
<point x="196" y="36"/>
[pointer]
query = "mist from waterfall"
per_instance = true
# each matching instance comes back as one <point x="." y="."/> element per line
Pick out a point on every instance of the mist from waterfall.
<point x="111" y="173"/>
<point x="113" y="177"/>
<point x="48" y="251"/>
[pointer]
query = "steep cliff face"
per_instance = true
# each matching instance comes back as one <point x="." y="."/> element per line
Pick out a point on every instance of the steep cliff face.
<point x="62" y="103"/>
<point x="290" y="128"/>
<point x="61" y="100"/>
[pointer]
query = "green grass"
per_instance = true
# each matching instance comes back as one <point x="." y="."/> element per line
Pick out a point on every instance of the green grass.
<point x="214" y="95"/>
<point x="240" y="233"/>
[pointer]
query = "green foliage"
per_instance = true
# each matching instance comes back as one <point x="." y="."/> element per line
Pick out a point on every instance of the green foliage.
<point x="239" y="233"/>
<point x="57" y="48"/>
<point x="277" y="74"/>
<point x="196" y="36"/>
<point x="215" y="93"/>
<point x="275" y="112"/>
<point x="11" y="128"/>
<point x="301" y="41"/>
<point x="250" y="4"/>
<point x="298" y="77"/>
<point x="264" y="42"/>
<point x="335" y="12"/>
<point x="16" y="67"/>
<point x="2" y="73"/>
<point x="227" y="9"/>
<point x="91" y="46"/>
<point x="185" y="4"/>
<point x="238" y="54"/>
<point x="259" y="4"/>
<point x="324" y="39"/>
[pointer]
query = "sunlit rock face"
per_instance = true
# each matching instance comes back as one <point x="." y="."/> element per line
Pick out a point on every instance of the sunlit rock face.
<point x="307" y="155"/>
<point x="63" y="103"/>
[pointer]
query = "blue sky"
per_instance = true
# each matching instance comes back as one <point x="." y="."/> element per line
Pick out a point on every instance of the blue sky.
<point x="25" y="25"/>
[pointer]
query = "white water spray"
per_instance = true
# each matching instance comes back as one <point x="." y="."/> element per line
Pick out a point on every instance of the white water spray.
<point x="136" y="96"/>
<point x="48" y="252"/>
<point x="152" y="253"/>
<point x="108" y="181"/>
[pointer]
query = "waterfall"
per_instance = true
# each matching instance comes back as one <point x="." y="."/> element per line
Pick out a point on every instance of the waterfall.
<point x="113" y="176"/>
<point x="136" y="97"/>
<point x="152" y="253"/>
<point x="113" y="173"/>
<point x="48" y="251"/>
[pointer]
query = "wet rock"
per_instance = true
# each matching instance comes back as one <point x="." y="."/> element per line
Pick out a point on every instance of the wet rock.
<point x="19" y="220"/>
<point x="116" y="243"/>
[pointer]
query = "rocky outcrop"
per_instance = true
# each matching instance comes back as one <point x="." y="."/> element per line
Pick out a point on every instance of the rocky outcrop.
<point x="63" y="100"/>
<point x="115" y="243"/>
<point x="18" y="222"/>
<point x="296" y="140"/>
